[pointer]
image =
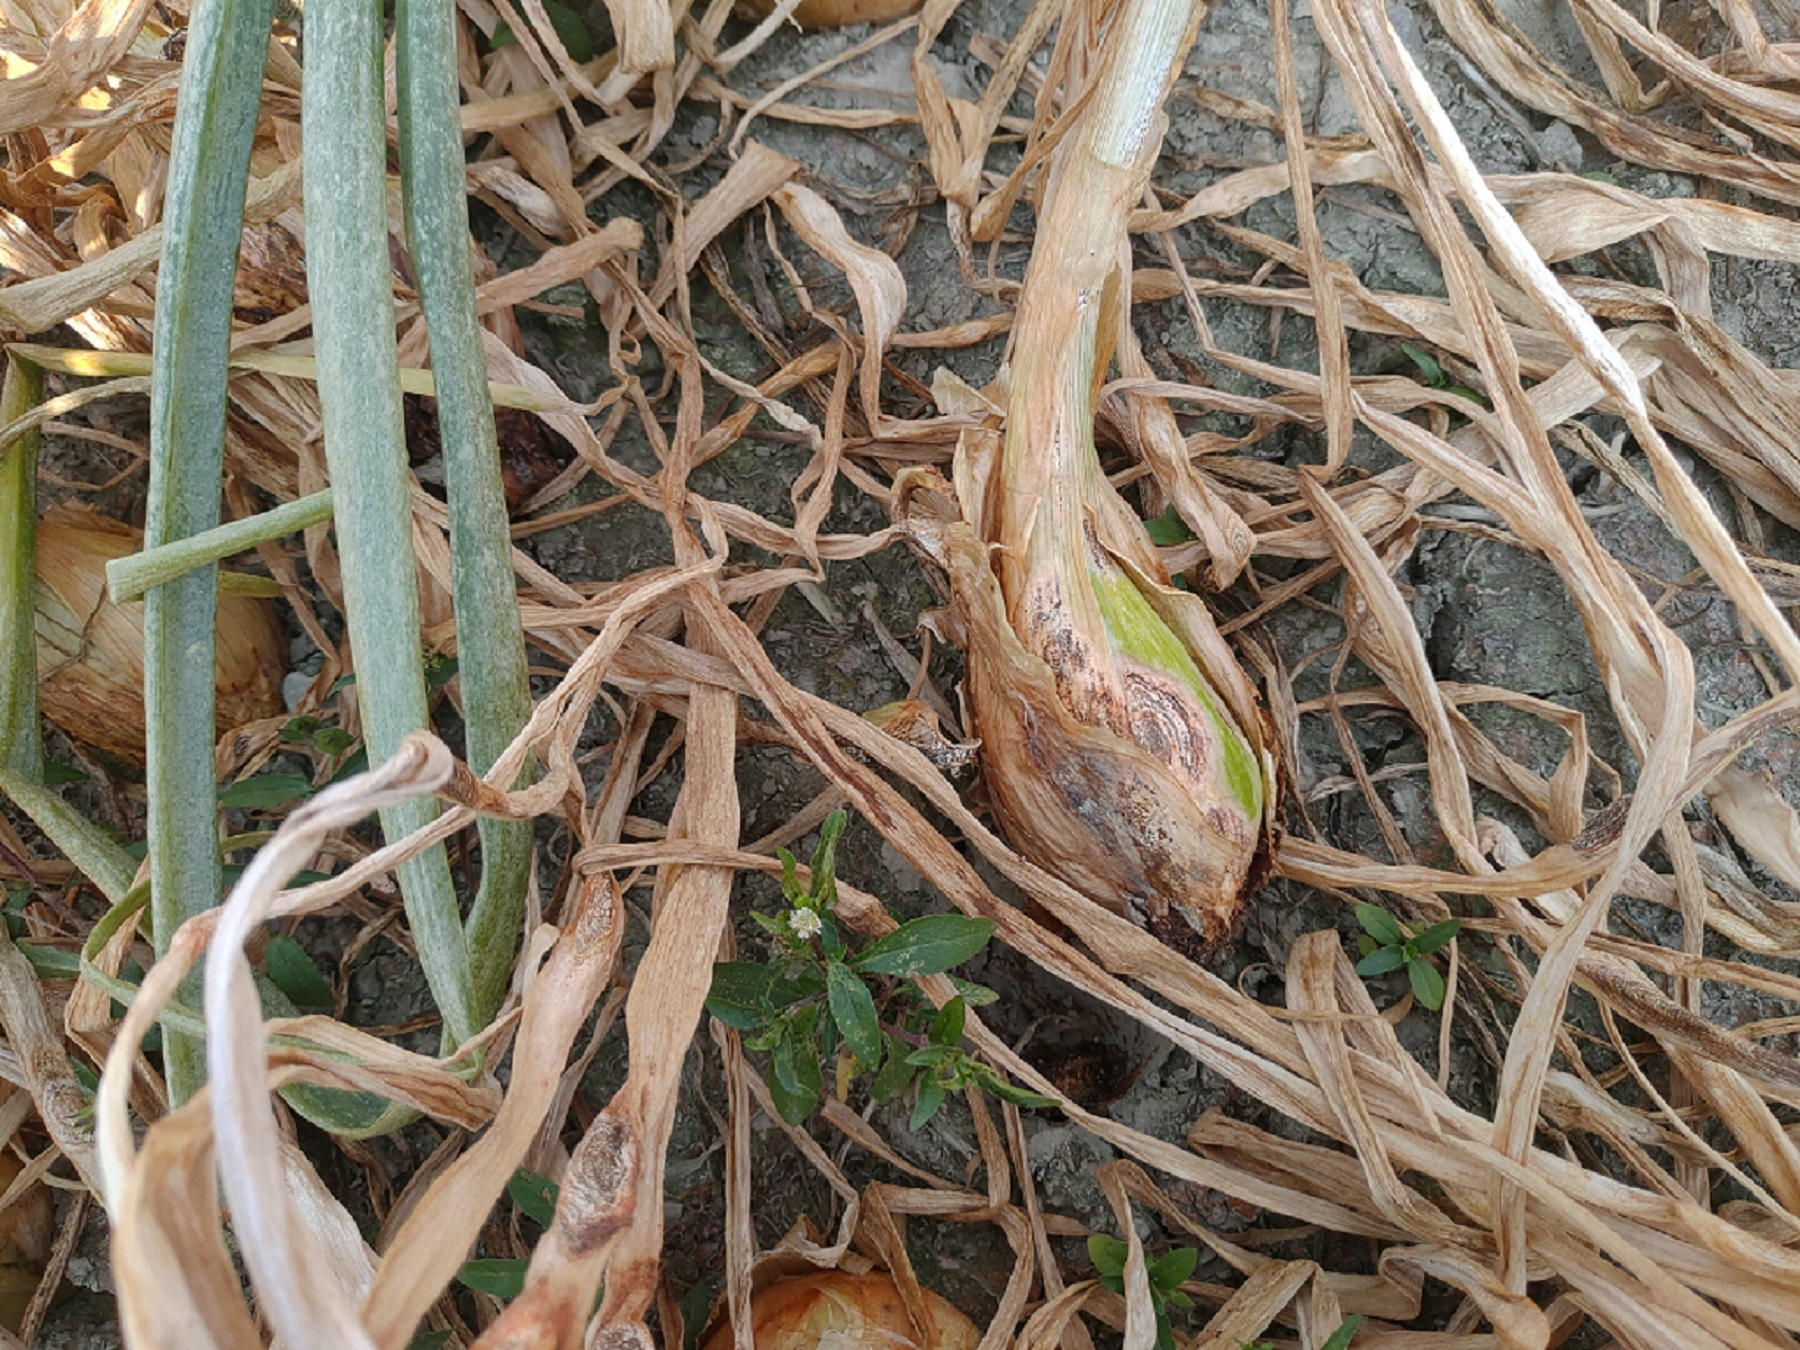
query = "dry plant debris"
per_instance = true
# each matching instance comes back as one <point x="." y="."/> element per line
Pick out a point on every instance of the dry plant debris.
<point x="1654" y="1203"/>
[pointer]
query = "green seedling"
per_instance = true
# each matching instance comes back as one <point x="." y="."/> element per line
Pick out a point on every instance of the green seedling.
<point x="498" y="1277"/>
<point x="1166" y="531"/>
<point x="817" y="997"/>
<point x="265" y="791"/>
<point x="1432" y="372"/>
<point x="1386" y="944"/>
<point x="1166" y="1274"/>
<point x="1338" y="1340"/>
<point x="535" y="1195"/>
<point x="569" y="28"/>
<point x="1346" y="1332"/>
<point x="295" y="974"/>
<point x="328" y="746"/>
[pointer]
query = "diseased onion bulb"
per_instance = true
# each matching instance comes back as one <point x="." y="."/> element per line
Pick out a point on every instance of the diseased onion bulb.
<point x="90" y="652"/>
<point x="1123" y="748"/>
<point x="836" y="1310"/>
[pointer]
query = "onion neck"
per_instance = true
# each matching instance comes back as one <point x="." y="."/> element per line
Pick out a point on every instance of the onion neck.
<point x="1068" y="304"/>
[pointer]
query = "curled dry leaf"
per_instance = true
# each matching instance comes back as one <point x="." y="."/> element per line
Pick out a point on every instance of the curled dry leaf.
<point x="91" y="651"/>
<point x="914" y="722"/>
<point x="836" y="1310"/>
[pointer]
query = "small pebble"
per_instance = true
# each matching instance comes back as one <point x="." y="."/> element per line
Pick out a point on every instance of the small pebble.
<point x="1561" y="148"/>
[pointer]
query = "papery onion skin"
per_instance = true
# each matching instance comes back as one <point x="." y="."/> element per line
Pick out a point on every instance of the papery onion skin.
<point x="838" y="1310"/>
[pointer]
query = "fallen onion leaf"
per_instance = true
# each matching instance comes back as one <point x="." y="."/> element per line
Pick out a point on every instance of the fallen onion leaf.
<point x="913" y="722"/>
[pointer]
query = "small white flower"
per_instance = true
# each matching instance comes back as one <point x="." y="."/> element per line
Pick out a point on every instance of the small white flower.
<point x="806" y="923"/>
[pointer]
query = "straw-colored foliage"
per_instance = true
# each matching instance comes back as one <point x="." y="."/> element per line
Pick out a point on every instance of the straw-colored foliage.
<point x="1588" y="1198"/>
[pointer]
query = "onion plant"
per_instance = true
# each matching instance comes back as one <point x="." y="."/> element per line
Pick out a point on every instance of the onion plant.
<point x="21" y="747"/>
<point x="343" y="129"/>
<point x="345" y="162"/>
<point x="209" y="165"/>
<point x="1123" y="743"/>
<point x="129" y="577"/>
<point x="490" y="639"/>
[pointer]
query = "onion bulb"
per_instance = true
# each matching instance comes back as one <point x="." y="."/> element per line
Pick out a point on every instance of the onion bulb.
<point x="836" y="1310"/>
<point x="90" y="652"/>
<point x="834" y="13"/>
<point x="27" y="1228"/>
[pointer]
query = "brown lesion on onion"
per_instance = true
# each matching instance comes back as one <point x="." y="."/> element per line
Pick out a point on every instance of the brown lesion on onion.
<point x="1163" y="721"/>
<point x="1046" y="628"/>
<point x="599" y="1187"/>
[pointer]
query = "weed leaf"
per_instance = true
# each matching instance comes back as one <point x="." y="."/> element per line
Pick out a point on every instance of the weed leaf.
<point x="1379" y="962"/>
<point x="927" y="946"/>
<point x="1435" y="936"/>
<point x="853" y="1009"/>
<point x="1427" y="984"/>
<point x="1380" y="925"/>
